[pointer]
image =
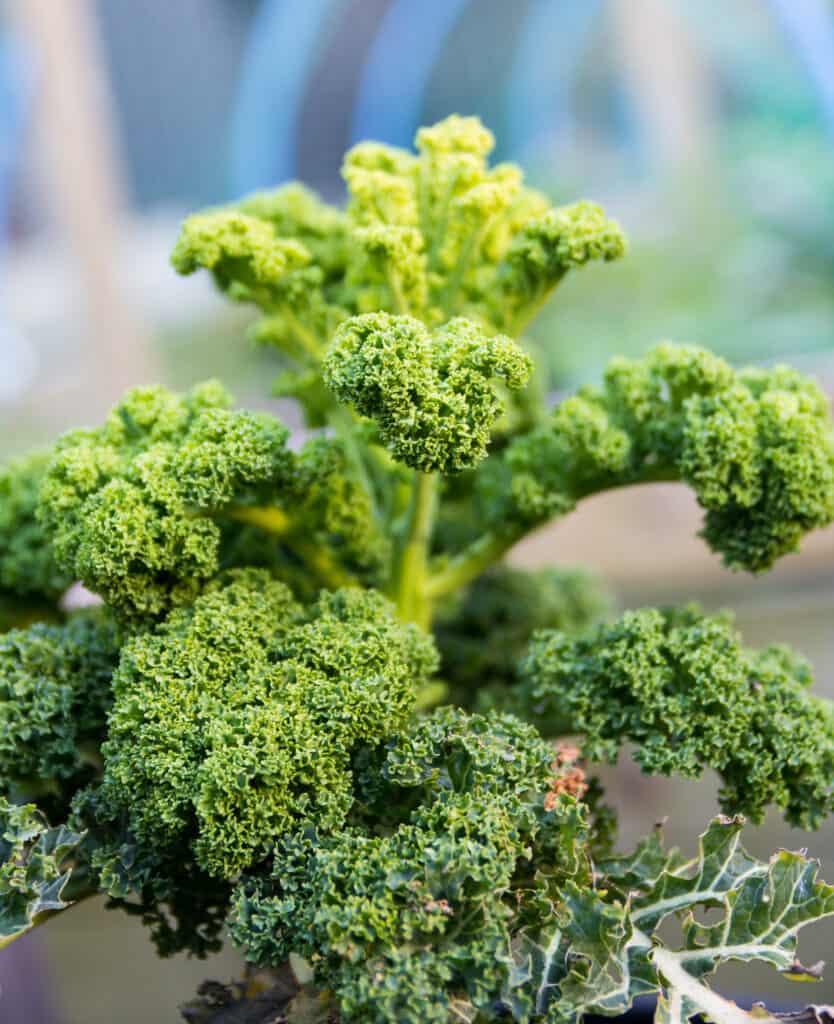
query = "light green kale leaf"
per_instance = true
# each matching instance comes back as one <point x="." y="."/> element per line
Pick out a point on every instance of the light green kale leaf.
<point x="433" y="234"/>
<point x="235" y="720"/>
<point x="119" y="501"/>
<point x="35" y="868"/>
<point x="252" y="264"/>
<point x="172" y="488"/>
<point x="605" y="948"/>
<point x="445" y="234"/>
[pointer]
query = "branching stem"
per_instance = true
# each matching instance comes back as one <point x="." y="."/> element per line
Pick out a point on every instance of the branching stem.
<point x="306" y="338"/>
<point x="277" y="522"/>
<point x="529" y="312"/>
<point x="462" y="570"/>
<point x="344" y="425"/>
<point x="411" y="572"/>
<point x="491" y="547"/>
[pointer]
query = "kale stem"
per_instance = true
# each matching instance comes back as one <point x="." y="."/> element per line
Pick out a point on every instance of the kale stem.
<point x="430" y="695"/>
<point x="345" y="426"/>
<point x="441" y="222"/>
<point x="395" y="284"/>
<point x="448" y="298"/>
<point x="529" y="312"/>
<point x="277" y="522"/>
<point x="308" y="341"/>
<point x="470" y="564"/>
<point x="411" y="574"/>
<point x="491" y="547"/>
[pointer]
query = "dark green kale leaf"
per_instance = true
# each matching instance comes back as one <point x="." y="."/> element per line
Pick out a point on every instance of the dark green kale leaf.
<point x="610" y="949"/>
<point x="30" y="579"/>
<point x="680" y="686"/>
<point x="484" y="632"/>
<point x="184" y="908"/>
<point x="415" y="922"/>
<point x="55" y="693"/>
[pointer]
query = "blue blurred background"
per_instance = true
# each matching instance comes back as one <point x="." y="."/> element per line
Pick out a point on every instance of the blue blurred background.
<point x="705" y="126"/>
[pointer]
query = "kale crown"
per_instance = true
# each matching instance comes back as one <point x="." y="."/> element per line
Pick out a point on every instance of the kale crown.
<point x="431" y="395"/>
<point x="253" y="732"/>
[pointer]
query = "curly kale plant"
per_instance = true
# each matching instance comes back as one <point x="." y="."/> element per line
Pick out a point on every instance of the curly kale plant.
<point x="318" y="714"/>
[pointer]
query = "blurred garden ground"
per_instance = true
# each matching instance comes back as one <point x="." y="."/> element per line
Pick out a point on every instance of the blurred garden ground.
<point x="705" y="126"/>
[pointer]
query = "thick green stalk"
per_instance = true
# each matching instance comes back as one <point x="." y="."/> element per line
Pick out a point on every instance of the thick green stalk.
<point x="410" y="576"/>
<point x="529" y="312"/>
<point x="397" y="294"/>
<point x="306" y="338"/>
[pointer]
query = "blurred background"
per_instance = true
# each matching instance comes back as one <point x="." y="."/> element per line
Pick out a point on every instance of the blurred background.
<point x="705" y="126"/>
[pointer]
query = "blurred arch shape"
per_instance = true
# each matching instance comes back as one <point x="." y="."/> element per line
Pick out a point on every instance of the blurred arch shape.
<point x="389" y="100"/>
<point x="282" y="45"/>
<point x="543" y="69"/>
<point x="809" y="24"/>
<point x="287" y="37"/>
<point x="17" y="355"/>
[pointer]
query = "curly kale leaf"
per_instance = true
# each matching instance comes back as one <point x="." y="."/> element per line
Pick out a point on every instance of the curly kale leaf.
<point x="604" y="948"/>
<point x="282" y="275"/>
<point x="54" y="697"/>
<point x="756" y="446"/>
<point x="285" y="251"/>
<point x="431" y="394"/>
<point x="454" y="751"/>
<point x="547" y="247"/>
<point x="35" y="868"/>
<point x="415" y="924"/>
<point x="118" y="501"/>
<point x="682" y="688"/>
<point x="434" y="234"/>
<point x="443" y="234"/>
<point x="295" y="211"/>
<point x="29" y="573"/>
<point x="289" y="219"/>
<point x="388" y="270"/>
<point x="237" y="248"/>
<point x="148" y="507"/>
<point x="235" y="719"/>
